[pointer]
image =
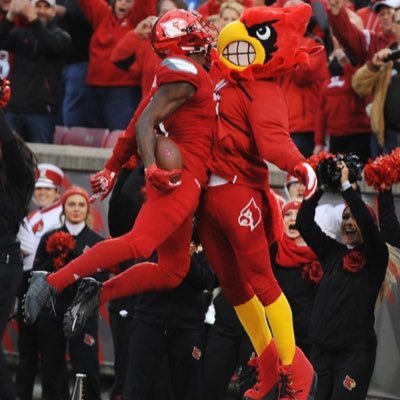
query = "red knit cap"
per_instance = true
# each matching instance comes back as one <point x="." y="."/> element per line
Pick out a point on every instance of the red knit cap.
<point x="75" y="190"/>
<point x="291" y="205"/>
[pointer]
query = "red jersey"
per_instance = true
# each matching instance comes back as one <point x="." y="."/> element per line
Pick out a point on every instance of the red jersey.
<point x="252" y="128"/>
<point x="190" y="126"/>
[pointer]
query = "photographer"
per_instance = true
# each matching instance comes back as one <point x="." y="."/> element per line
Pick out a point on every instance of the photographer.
<point x="342" y="320"/>
<point x="380" y="79"/>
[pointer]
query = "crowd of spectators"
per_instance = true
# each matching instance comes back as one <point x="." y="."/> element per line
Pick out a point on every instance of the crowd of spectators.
<point x="86" y="63"/>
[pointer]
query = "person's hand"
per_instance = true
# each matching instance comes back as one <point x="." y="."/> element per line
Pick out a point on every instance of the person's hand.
<point x="335" y="6"/>
<point x="28" y="10"/>
<point x="306" y="175"/>
<point x="380" y="57"/>
<point x="144" y="27"/>
<point x="161" y="179"/>
<point x="102" y="184"/>
<point x="5" y="92"/>
<point x="344" y="176"/>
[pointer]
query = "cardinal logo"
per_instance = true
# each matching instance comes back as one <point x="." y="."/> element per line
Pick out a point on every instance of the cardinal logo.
<point x="174" y="27"/>
<point x="89" y="340"/>
<point x="349" y="383"/>
<point x="250" y="216"/>
<point x="196" y="353"/>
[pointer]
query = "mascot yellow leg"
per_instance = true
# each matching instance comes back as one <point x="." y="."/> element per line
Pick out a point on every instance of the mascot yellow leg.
<point x="252" y="316"/>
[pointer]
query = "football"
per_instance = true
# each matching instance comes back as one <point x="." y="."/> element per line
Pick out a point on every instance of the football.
<point x="168" y="155"/>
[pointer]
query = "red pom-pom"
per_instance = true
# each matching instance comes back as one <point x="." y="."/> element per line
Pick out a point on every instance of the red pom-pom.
<point x="59" y="245"/>
<point x="315" y="159"/>
<point x="384" y="171"/>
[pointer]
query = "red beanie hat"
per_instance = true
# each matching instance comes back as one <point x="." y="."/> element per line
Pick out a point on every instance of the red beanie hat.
<point x="75" y="190"/>
<point x="291" y="205"/>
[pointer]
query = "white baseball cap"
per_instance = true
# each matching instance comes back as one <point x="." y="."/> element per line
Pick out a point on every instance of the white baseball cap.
<point x="51" y="3"/>
<point x="386" y="3"/>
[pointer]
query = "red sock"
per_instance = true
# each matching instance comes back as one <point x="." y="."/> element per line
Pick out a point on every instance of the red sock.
<point x="104" y="255"/>
<point x="140" y="278"/>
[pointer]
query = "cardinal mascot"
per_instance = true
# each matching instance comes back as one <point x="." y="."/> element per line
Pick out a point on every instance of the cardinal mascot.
<point x="238" y="216"/>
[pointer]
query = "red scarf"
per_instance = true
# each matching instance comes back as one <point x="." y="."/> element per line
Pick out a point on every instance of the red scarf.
<point x="289" y="254"/>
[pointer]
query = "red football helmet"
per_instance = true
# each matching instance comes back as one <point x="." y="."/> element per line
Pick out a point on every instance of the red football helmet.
<point x="180" y="32"/>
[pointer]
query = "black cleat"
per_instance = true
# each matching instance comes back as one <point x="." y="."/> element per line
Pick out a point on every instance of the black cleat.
<point x="38" y="294"/>
<point x="85" y="303"/>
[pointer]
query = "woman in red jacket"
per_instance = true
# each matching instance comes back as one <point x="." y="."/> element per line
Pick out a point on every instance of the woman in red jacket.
<point x="113" y="93"/>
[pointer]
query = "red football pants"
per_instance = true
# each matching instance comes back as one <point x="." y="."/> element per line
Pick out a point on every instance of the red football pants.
<point x="164" y="223"/>
<point x="232" y="233"/>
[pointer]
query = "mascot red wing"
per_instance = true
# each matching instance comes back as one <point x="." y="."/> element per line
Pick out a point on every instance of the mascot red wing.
<point x="238" y="214"/>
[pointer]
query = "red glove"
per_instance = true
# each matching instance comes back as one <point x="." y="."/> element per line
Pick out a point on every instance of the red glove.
<point x="161" y="179"/>
<point x="306" y="175"/>
<point x="102" y="184"/>
<point x="5" y="92"/>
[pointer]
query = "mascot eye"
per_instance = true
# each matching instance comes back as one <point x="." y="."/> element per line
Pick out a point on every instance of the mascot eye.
<point x="263" y="33"/>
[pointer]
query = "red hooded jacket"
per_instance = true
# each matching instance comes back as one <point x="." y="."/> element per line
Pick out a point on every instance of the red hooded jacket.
<point x="341" y="112"/>
<point x="108" y="30"/>
<point x="301" y="90"/>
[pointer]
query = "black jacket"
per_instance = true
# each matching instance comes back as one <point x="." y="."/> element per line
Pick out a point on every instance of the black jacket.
<point x="299" y="292"/>
<point x="36" y="74"/>
<point x="75" y="23"/>
<point x="16" y="188"/>
<point x="43" y="261"/>
<point x="182" y="307"/>
<point x="343" y="312"/>
<point x="389" y="224"/>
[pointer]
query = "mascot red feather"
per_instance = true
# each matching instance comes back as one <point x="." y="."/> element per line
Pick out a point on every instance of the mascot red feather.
<point x="238" y="215"/>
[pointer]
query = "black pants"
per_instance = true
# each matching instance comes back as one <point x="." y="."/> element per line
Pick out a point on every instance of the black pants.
<point x="356" y="144"/>
<point x="83" y="355"/>
<point x="148" y="347"/>
<point x="121" y="329"/>
<point x="10" y="279"/>
<point x="28" y="349"/>
<point x="342" y="374"/>
<point x="304" y="141"/>
<point x="224" y="355"/>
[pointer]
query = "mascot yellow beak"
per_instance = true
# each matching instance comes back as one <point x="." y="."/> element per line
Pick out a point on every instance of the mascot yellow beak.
<point x="236" y="49"/>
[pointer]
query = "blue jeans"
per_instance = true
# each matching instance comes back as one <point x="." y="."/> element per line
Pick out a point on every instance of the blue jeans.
<point x="112" y="107"/>
<point x="75" y="98"/>
<point x="36" y="128"/>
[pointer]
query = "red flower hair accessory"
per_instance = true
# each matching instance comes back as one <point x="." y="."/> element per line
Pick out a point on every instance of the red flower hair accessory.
<point x="59" y="245"/>
<point x="354" y="262"/>
<point x="312" y="272"/>
<point x="384" y="171"/>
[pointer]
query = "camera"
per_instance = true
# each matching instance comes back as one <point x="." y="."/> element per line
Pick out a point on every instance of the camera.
<point x="329" y="173"/>
<point x="395" y="55"/>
